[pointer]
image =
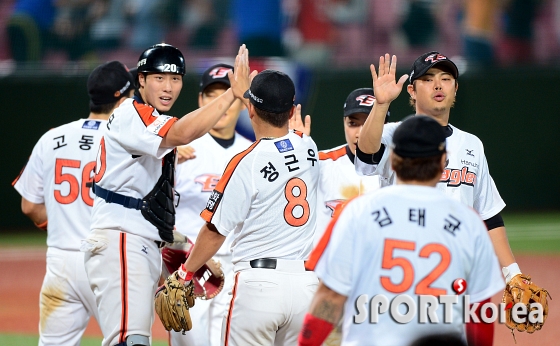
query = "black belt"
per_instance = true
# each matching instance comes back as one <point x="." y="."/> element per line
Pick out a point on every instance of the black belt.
<point x="265" y="263"/>
<point x="114" y="197"/>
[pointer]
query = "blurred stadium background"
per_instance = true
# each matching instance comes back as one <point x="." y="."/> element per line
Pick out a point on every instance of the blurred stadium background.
<point x="508" y="53"/>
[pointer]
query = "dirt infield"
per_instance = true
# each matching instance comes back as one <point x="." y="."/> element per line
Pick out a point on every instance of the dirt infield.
<point x="22" y="271"/>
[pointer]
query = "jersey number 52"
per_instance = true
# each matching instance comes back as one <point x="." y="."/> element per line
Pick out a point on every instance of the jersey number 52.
<point x="423" y="287"/>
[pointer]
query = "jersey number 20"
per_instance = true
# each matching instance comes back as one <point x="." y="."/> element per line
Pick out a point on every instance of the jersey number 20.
<point x="423" y="287"/>
<point x="296" y="212"/>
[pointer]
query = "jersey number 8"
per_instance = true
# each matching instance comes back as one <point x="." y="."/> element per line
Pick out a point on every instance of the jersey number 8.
<point x="296" y="212"/>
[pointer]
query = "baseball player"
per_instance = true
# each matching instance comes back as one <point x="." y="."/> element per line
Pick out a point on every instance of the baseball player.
<point x="56" y="196"/>
<point x="466" y="178"/>
<point x="409" y="239"/>
<point x="133" y="212"/>
<point x="339" y="180"/>
<point x="195" y="181"/>
<point x="267" y="199"/>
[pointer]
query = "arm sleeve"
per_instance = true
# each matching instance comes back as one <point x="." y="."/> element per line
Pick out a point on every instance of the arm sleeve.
<point x="487" y="199"/>
<point x="485" y="278"/>
<point x="494" y="222"/>
<point x="30" y="183"/>
<point x="140" y="128"/>
<point x="336" y="265"/>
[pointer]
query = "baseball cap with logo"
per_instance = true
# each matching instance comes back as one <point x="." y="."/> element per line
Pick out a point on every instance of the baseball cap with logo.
<point x="429" y="60"/>
<point x="419" y="136"/>
<point x="359" y="101"/>
<point x="272" y="91"/>
<point x="108" y="82"/>
<point x="215" y="74"/>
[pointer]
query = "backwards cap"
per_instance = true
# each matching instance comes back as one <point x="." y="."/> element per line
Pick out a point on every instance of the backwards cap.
<point x="108" y="82"/>
<point x="419" y="136"/>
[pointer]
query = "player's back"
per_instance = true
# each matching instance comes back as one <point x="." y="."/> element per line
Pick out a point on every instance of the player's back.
<point x="282" y="176"/>
<point x="61" y="166"/>
<point x="414" y="240"/>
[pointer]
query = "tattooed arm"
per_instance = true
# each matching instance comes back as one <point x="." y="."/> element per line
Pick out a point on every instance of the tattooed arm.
<point x="325" y="312"/>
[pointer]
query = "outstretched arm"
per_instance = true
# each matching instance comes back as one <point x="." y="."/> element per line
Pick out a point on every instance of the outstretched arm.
<point x="207" y="243"/>
<point x="385" y="90"/>
<point x="198" y="122"/>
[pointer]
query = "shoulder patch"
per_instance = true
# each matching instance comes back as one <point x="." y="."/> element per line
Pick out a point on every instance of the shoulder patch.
<point x="91" y="124"/>
<point x="284" y="145"/>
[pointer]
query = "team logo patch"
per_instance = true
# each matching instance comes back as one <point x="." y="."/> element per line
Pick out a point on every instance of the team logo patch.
<point x="457" y="177"/>
<point x="219" y="72"/>
<point x="435" y="57"/>
<point x="91" y="124"/>
<point x="158" y="123"/>
<point x="366" y="100"/>
<point x="459" y="286"/>
<point x="284" y="145"/>
<point x="213" y="201"/>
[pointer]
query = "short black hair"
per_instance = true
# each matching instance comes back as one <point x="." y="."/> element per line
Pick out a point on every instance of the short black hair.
<point x="417" y="168"/>
<point x="274" y="119"/>
<point x="101" y="109"/>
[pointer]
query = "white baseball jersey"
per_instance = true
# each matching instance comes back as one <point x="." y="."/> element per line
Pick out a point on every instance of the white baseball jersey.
<point x="129" y="162"/>
<point x="267" y="197"/>
<point x="339" y="183"/>
<point x="60" y="166"/>
<point x="466" y="177"/>
<point x="196" y="179"/>
<point x="405" y="239"/>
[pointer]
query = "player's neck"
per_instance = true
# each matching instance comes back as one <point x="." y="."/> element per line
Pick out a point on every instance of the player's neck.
<point x="429" y="183"/>
<point x="265" y="130"/>
<point x="441" y="118"/>
<point x="99" y="116"/>
<point x="225" y="133"/>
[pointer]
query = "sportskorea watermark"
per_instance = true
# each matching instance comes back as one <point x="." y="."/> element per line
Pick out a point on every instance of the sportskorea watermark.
<point x="424" y="309"/>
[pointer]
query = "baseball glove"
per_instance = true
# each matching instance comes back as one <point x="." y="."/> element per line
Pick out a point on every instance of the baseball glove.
<point x="520" y="289"/>
<point x="208" y="280"/>
<point x="172" y="302"/>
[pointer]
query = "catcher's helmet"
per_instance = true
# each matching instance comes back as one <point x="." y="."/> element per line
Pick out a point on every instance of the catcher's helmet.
<point x="162" y="58"/>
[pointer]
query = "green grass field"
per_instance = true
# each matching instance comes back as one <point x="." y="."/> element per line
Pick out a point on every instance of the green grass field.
<point x="26" y="340"/>
<point x="534" y="233"/>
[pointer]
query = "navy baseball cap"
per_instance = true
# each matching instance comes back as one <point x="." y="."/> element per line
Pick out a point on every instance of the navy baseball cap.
<point x="361" y="101"/>
<point x="108" y="82"/>
<point x="429" y="60"/>
<point x="419" y="136"/>
<point x="272" y="91"/>
<point x="215" y="74"/>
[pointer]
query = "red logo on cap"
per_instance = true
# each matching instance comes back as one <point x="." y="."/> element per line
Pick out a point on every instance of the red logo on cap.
<point x="459" y="286"/>
<point x="219" y="72"/>
<point x="435" y="57"/>
<point x="366" y="100"/>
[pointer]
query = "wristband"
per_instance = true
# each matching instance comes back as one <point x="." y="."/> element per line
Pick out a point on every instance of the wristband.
<point x="510" y="271"/>
<point x="184" y="274"/>
<point x="42" y="225"/>
<point x="315" y="330"/>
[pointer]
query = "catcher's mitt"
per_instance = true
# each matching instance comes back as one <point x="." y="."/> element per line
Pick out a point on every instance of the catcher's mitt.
<point x="520" y="289"/>
<point x="208" y="280"/>
<point x="173" y="301"/>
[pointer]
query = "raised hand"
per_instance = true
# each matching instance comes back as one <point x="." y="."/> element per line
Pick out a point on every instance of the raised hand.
<point x="385" y="86"/>
<point x="240" y="79"/>
<point x="296" y="123"/>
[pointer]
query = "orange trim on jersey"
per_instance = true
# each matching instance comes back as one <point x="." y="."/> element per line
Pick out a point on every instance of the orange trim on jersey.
<point x="333" y="155"/>
<point x="230" y="311"/>
<point x="146" y="114"/>
<point x="324" y="241"/>
<point x="224" y="180"/>
<point x="299" y="133"/>
<point x="124" y="288"/>
<point x="19" y="175"/>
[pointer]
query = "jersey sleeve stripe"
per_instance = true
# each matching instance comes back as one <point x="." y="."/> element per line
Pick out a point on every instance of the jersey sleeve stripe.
<point x="324" y="241"/>
<point x="19" y="175"/>
<point x="299" y="133"/>
<point x="224" y="180"/>
<point x="146" y="114"/>
<point x="333" y="155"/>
